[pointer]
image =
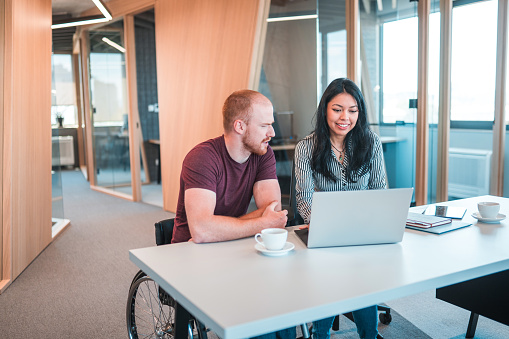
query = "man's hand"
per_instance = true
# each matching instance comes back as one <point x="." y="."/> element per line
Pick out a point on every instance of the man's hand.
<point x="271" y="218"/>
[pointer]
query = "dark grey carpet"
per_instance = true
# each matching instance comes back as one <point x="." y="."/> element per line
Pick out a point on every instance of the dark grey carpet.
<point x="77" y="287"/>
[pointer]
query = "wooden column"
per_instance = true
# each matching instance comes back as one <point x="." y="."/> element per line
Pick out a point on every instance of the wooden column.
<point x="87" y="109"/>
<point x="352" y="40"/>
<point x="76" y="67"/>
<point x="421" y="166"/>
<point x="204" y="52"/>
<point x="444" y="106"/>
<point x="133" y="116"/>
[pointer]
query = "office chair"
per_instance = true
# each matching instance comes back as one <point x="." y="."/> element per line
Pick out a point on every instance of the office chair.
<point x="150" y="310"/>
<point x="296" y="219"/>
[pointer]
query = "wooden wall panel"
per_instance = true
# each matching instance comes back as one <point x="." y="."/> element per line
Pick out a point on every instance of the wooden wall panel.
<point x="2" y="40"/>
<point x="204" y="52"/>
<point x="7" y="150"/>
<point x="30" y="126"/>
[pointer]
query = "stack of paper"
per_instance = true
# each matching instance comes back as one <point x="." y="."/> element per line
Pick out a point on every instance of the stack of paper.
<point x="425" y="221"/>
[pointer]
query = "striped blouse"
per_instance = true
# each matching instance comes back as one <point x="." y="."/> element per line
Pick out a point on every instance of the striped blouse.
<point x="305" y="183"/>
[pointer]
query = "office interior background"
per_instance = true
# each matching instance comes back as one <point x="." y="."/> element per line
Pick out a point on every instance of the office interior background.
<point x="124" y="101"/>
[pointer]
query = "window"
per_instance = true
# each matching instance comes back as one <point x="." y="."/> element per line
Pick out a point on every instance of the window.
<point x="399" y="57"/>
<point x="474" y="43"/>
<point x="63" y="93"/>
<point x="109" y="99"/>
<point x="474" y="51"/>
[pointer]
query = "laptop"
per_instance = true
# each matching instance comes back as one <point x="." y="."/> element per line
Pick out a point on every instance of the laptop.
<point x="349" y="218"/>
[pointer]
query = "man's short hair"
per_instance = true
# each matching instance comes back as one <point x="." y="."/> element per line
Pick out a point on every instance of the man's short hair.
<point x="238" y="106"/>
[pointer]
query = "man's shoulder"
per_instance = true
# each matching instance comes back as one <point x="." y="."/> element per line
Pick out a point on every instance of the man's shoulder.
<point x="208" y="147"/>
<point x="204" y="153"/>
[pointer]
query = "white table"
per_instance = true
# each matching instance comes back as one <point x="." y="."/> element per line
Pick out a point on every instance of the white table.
<point x="238" y="292"/>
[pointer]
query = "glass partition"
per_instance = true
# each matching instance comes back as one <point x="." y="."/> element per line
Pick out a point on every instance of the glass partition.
<point x="506" y="149"/>
<point x="289" y="79"/>
<point x="62" y="112"/>
<point x="388" y="52"/>
<point x="108" y="97"/>
<point x="289" y="68"/>
<point x="148" y="107"/>
<point x="332" y="39"/>
<point x="305" y="49"/>
<point x="472" y="98"/>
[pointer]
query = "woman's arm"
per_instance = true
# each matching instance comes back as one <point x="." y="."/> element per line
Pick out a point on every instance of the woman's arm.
<point x="377" y="177"/>
<point x="304" y="181"/>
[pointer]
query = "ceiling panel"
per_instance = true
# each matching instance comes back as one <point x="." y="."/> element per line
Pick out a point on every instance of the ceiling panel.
<point x="62" y="9"/>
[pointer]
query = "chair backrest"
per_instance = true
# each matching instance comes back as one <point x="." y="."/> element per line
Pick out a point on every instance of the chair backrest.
<point x="297" y="219"/>
<point x="164" y="231"/>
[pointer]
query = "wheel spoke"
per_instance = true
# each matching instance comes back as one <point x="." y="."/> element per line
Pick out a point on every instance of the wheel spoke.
<point x="148" y="317"/>
<point x="154" y="317"/>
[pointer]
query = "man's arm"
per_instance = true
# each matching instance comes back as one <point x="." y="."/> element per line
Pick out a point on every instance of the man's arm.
<point x="265" y="192"/>
<point x="207" y="227"/>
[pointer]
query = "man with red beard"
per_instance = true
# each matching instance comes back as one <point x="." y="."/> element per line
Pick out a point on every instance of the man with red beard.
<point x="219" y="177"/>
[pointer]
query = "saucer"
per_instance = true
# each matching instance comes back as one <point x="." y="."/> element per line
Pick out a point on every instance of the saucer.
<point x="287" y="248"/>
<point x="495" y="220"/>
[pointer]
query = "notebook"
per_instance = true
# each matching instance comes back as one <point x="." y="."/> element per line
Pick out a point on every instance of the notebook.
<point x="425" y="221"/>
<point x="349" y="218"/>
<point x="454" y="225"/>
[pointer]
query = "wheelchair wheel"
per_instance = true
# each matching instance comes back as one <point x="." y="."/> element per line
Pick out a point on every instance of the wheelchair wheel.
<point x="150" y="311"/>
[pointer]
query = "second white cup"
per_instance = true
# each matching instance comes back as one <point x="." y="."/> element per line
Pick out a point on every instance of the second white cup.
<point x="273" y="239"/>
<point x="488" y="209"/>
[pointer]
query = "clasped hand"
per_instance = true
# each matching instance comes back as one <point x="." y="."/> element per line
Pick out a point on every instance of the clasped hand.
<point x="274" y="218"/>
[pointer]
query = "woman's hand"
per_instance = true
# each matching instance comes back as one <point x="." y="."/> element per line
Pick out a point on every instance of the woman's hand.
<point x="303" y="227"/>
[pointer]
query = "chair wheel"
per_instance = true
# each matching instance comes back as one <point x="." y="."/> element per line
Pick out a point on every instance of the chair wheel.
<point x="385" y="318"/>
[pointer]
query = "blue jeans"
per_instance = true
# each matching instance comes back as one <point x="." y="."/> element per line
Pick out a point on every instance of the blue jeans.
<point x="366" y="320"/>
<point x="289" y="333"/>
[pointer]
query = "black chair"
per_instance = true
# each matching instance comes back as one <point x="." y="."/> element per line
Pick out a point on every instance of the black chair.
<point x="296" y="219"/>
<point x="150" y="310"/>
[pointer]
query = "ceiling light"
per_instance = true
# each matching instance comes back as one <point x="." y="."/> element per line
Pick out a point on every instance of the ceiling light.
<point x="113" y="44"/>
<point x="292" y="18"/>
<point x="103" y="9"/>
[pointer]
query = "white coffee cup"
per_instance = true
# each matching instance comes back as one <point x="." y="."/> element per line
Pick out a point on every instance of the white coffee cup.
<point x="273" y="239"/>
<point x="488" y="210"/>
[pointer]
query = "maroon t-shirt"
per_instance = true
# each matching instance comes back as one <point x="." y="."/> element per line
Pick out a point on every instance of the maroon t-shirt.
<point x="208" y="165"/>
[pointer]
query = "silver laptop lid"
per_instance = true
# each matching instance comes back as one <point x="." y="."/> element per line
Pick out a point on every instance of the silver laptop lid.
<point x="346" y="218"/>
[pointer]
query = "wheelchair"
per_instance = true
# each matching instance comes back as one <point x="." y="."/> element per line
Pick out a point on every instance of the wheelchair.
<point x="150" y="311"/>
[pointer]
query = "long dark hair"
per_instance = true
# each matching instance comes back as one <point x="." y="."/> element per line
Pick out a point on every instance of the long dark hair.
<point x="358" y="143"/>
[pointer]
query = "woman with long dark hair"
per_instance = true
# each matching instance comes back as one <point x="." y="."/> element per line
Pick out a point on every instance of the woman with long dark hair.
<point x="342" y="154"/>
